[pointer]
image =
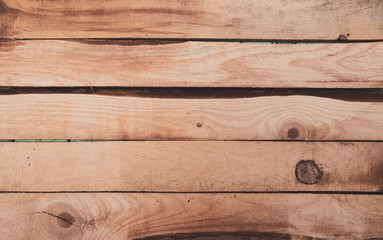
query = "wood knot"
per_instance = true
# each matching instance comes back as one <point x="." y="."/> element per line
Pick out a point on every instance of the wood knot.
<point x="61" y="221"/>
<point x="293" y="133"/>
<point x="65" y="220"/>
<point x="308" y="172"/>
<point x="199" y="125"/>
<point x="342" y="38"/>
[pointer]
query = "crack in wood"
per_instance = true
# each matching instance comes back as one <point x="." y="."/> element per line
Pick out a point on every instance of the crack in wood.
<point x="67" y="223"/>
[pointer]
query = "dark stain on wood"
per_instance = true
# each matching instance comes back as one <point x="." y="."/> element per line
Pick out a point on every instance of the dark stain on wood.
<point x="352" y="95"/>
<point x="226" y="236"/>
<point x="372" y="177"/>
<point x="376" y="174"/>
<point x="308" y="172"/>
<point x="7" y="18"/>
<point x="7" y="45"/>
<point x="125" y="42"/>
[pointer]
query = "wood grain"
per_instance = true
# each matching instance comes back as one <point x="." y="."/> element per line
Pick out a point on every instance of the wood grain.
<point x="225" y="19"/>
<point x="190" y="64"/>
<point x="190" y="166"/>
<point x="84" y="116"/>
<point x="139" y="216"/>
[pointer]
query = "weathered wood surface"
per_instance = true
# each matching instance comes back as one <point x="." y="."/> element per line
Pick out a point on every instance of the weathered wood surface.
<point x="191" y="166"/>
<point x="139" y="216"/>
<point x="226" y="19"/>
<point x="89" y="116"/>
<point x="190" y="64"/>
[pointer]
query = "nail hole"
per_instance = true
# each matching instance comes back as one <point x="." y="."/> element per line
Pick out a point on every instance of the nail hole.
<point x="199" y="125"/>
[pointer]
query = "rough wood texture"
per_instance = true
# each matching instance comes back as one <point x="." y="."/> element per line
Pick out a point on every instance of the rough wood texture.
<point x="190" y="166"/>
<point x="84" y="116"/>
<point x="227" y="19"/>
<point x="138" y="216"/>
<point x="190" y="64"/>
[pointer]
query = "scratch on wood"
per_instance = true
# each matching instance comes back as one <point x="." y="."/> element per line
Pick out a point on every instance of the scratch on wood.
<point x="113" y="12"/>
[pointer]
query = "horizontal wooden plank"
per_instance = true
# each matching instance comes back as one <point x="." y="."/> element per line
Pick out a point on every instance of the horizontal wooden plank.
<point x="191" y="166"/>
<point x="226" y="19"/>
<point x="86" y="116"/>
<point x="143" y="216"/>
<point x="190" y="64"/>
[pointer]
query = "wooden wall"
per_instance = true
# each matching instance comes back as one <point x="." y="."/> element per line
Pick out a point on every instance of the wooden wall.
<point x="204" y="119"/>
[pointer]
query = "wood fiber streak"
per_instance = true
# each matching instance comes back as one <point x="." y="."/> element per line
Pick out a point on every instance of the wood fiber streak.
<point x="147" y="63"/>
<point x="140" y="216"/>
<point x="295" y="117"/>
<point x="189" y="166"/>
<point x="201" y="19"/>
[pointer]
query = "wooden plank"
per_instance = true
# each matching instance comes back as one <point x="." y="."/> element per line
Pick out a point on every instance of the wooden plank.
<point x="143" y="216"/>
<point x="190" y="64"/>
<point x="191" y="166"/>
<point x="226" y="19"/>
<point x="93" y="116"/>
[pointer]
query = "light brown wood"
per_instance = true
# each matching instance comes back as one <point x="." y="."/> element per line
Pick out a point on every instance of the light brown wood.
<point x="88" y="116"/>
<point x="191" y="166"/>
<point x="228" y="19"/>
<point x="136" y="216"/>
<point x="190" y="64"/>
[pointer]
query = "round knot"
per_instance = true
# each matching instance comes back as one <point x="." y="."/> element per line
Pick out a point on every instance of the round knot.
<point x="293" y="133"/>
<point x="308" y="172"/>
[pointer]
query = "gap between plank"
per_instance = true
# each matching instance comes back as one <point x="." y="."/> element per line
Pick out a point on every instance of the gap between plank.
<point x="191" y="140"/>
<point x="347" y="94"/>
<point x="259" y="41"/>
<point x="208" y="192"/>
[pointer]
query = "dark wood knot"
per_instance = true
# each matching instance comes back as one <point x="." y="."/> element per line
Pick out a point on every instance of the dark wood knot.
<point x="293" y="133"/>
<point x="65" y="220"/>
<point x="308" y="172"/>
<point x="342" y="38"/>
